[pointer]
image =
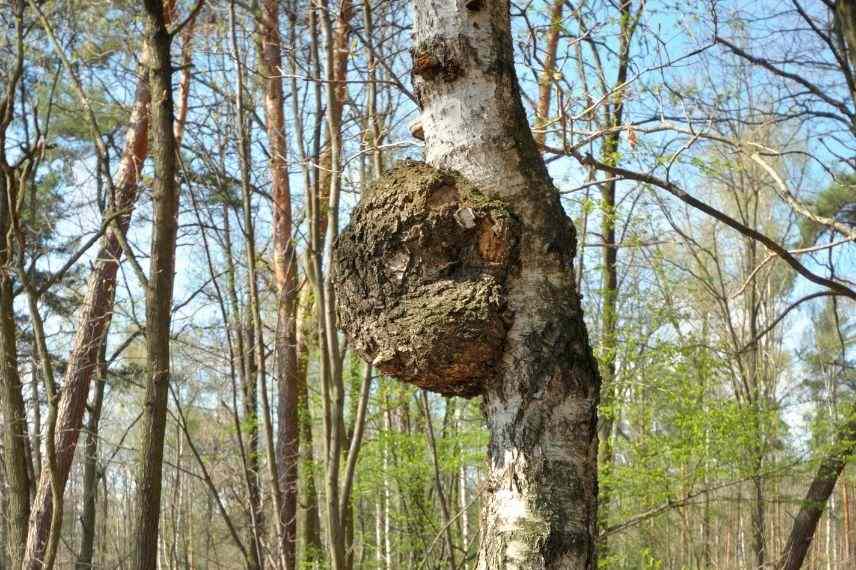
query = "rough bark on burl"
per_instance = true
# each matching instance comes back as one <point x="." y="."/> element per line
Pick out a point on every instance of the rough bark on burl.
<point x="421" y="274"/>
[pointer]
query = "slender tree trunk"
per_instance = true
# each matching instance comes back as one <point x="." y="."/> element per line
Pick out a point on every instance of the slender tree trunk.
<point x="285" y="269"/>
<point x="845" y="503"/>
<point x="15" y="433"/>
<point x="36" y="403"/>
<point x="545" y="82"/>
<point x="759" y="521"/>
<point x="90" y="471"/>
<point x="313" y="547"/>
<point x="97" y="312"/>
<point x="307" y="332"/>
<point x="464" y="500"/>
<point x="257" y="334"/>
<point x="249" y="393"/>
<point x="159" y="289"/>
<point x="387" y="493"/>
<point x="326" y="214"/>
<point x="540" y="497"/>
<point x="438" y="483"/>
<point x="609" y="410"/>
<point x="250" y="405"/>
<point x="339" y="50"/>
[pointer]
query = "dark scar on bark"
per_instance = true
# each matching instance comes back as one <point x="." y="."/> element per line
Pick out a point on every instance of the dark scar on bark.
<point x="433" y="61"/>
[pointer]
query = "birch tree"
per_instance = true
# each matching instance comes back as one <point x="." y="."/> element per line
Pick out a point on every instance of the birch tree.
<point x="540" y="387"/>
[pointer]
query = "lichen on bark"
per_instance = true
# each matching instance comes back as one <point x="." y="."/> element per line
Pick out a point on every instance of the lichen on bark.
<point x="421" y="274"/>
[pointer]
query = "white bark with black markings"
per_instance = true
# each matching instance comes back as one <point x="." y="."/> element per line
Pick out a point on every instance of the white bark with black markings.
<point x="541" y="496"/>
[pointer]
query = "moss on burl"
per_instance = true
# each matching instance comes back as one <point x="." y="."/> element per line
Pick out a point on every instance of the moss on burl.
<point x="421" y="274"/>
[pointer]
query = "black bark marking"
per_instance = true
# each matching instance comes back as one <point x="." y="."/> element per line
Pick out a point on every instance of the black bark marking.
<point x="436" y="61"/>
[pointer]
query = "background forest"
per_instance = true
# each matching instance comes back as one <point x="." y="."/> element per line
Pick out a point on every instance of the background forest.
<point x="706" y="152"/>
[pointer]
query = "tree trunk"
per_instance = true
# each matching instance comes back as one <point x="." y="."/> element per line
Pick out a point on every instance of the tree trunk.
<point x="285" y="269"/>
<point x="326" y="221"/>
<point x="96" y="316"/>
<point x="15" y="436"/>
<point x="250" y="408"/>
<point x="313" y="547"/>
<point x="759" y="524"/>
<point x="93" y="323"/>
<point x="35" y="437"/>
<point x="4" y="510"/>
<point x="446" y="519"/>
<point x="90" y="471"/>
<point x="339" y="47"/>
<point x="159" y="289"/>
<point x="16" y="458"/>
<point x="545" y="81"/>
<point x="609" y="410"/>
<point x="256" y="330"/>
<point x="540" y="498"/>
<point x="811" y="509"/>
<point x="249" y="394"/>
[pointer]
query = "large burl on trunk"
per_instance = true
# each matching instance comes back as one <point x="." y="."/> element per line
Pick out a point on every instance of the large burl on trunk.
<point x="452" y="291"/>
<point x="421" y="272"/>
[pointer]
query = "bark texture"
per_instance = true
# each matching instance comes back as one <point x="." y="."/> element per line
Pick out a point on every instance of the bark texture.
<point x="159" y="289"/>
<point x="540" y="495"/>
<point x="421" y="273"/>
<point x="285" y="270"/>
<point x="93" y="323"/>
<point x="15" y="435"/>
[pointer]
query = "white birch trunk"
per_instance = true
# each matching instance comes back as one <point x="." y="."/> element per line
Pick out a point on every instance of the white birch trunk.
<point x="539" y="507"/>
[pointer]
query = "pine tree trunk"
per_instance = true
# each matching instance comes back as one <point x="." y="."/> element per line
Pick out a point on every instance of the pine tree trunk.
<point x="93" y="323"/>
<point x="285" y="270"/>
<point x="540" y="500"/>
<point x="814" y="503"/>
<point x="97" y="312"/>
